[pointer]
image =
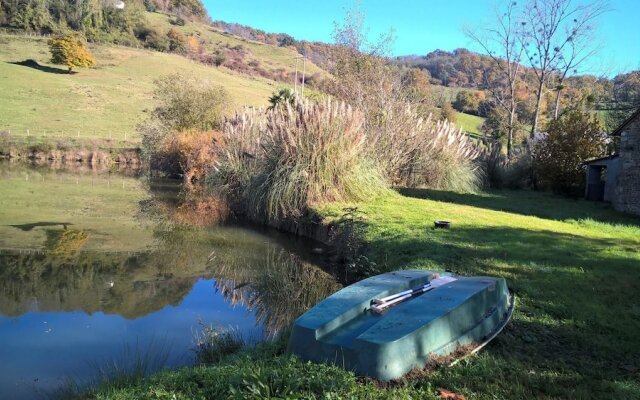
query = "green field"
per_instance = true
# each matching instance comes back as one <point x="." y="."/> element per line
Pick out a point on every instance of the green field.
<point x="470" y="123"/>
<point x="574" y="267"/>
<point x="106" y="101"/>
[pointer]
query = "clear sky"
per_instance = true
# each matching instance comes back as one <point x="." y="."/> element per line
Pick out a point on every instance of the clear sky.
<point x="422" y="26"/>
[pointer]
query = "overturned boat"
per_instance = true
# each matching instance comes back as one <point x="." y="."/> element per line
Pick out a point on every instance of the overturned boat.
<point x="389" y="324"/>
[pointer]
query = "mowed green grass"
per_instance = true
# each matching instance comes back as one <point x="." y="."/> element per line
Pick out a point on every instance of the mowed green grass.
<point x="105" y="206"/>
<point x="471" y="124"/>
<point x="573" y="265"/>
<point x="106" y="101"/>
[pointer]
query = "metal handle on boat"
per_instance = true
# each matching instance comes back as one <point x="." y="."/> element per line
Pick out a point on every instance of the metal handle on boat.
<point x="380" y="305"/>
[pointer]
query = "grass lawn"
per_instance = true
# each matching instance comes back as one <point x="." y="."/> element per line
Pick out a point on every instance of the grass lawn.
<point x="470" y="123"/>
<point x="106" y="101"/>
<point x="575" y="269"/>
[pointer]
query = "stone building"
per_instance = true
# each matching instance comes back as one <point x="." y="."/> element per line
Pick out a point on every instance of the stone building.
<point x="627" y="194"/>
<point x="617" y="178"/>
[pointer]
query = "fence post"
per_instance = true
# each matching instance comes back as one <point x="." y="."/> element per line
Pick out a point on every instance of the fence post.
<point x="27" y="133"/>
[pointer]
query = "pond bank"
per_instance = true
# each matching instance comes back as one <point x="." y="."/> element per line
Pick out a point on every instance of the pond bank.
<point x="69" y="150"/>
<point x="563" y="341"/>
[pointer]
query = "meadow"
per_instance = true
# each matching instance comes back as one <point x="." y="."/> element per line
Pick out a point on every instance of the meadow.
<point x="108" y="101"/>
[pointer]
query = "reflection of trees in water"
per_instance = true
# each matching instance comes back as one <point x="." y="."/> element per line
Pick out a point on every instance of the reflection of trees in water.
<point x="278" y="289"/>
<point x="65" y="244"/>
<point x="250" y="268"/>
<point x="131" y="284"/>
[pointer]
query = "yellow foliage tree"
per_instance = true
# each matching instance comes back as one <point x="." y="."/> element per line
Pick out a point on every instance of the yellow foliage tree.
<point x="71" y="51"/>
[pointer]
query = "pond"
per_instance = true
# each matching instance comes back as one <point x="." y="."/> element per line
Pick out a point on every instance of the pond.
<point x="97" y="267"/>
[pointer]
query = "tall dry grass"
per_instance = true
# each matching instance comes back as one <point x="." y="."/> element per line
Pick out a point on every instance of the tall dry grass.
<point x="279" y="162"/>
<point x="418" y="151"/>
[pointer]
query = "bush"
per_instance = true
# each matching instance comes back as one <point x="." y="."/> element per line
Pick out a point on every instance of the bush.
<point x="178" y="21"/>
<point x="570" y="141"/>
<point x="469" y="102"/>
<point x="448" y="113"/>
<point x="188" y="153"/>
<point x="502" y="173"/>
<point x="180" y="136"/>
<point x="188" y="103"/>
<point x="280" y="163"/>
<point x="177" y="41"/>
<point x="149" y="5"/>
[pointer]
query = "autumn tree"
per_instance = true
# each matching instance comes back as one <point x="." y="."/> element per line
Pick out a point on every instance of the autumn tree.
<point x="416" y="82"/>
<point x="556" y="37"/>
<point x="71" y="51"/>
<point x="505" y="50"/>
<point x="572" y="139"/>
<point x="447" y="112"/>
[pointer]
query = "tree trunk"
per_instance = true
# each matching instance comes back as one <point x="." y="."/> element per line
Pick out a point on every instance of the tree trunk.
<point x="557" y="109"/>
<point x="512" y="118"/>
<point x="536" y="114"/>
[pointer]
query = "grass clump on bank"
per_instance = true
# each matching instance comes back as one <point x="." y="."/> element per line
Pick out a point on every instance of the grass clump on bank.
<point x="279" y="163"/>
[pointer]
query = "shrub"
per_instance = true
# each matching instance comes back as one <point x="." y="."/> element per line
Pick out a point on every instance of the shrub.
<point x="177" y="41"/>
<point x="190" y="153"/>
<point x="297" y="157"/>
<point x="188" y="103"/>
<point x="570" y="141"/>
<point x="516" y="173"/>
<point x="180" y="136"/>
<point x="177" y="20"/>
<point x="282" y="97"/>
<point x="447" y="112"/>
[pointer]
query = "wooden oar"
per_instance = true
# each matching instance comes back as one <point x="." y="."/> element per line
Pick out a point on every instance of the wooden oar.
<point x="380" y="305"/>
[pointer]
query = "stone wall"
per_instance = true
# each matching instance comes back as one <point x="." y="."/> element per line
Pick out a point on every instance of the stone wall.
<point x="627" y="197"/>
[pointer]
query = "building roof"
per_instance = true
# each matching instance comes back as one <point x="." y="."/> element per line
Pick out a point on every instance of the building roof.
<point x="597" y="160"/>
<point x="626" y="123"/>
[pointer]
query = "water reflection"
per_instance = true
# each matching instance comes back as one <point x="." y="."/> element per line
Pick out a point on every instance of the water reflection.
<point x="76" y="286"/>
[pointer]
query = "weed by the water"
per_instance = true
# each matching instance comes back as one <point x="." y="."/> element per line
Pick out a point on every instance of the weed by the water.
<point x="213" y="344"/>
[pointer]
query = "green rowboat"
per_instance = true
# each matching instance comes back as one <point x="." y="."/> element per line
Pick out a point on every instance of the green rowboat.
<point x="389" y="324"/>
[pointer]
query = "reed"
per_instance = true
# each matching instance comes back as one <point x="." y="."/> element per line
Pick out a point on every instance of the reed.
<point x="289" y="158"/>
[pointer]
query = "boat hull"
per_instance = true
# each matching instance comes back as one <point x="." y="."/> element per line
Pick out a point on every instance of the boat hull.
<point x="344" y="331"/>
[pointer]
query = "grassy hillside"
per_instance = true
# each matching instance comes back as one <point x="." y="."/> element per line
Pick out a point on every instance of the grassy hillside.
<point x="269" y="57"/>
<point x="109" y="99"/>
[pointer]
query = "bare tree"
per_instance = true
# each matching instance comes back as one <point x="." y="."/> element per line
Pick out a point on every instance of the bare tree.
<point x="502" y="45"/>
<point x="553" y="37"/>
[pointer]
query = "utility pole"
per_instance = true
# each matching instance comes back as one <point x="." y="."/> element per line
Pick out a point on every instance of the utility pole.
<point x="304" y="70"/>
<point x="295" y="82"/>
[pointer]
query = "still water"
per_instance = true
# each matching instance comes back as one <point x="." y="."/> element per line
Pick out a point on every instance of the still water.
<point x="97" y="266"/>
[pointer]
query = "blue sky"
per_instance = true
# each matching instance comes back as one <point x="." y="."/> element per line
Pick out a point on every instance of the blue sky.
<point x="422" y="26"/>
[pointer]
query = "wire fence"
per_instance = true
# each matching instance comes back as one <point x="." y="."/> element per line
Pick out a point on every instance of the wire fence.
<point x="26" y="135"/>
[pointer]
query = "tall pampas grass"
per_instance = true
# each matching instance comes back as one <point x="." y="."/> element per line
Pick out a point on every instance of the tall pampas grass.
<point x="280" y="162"/>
